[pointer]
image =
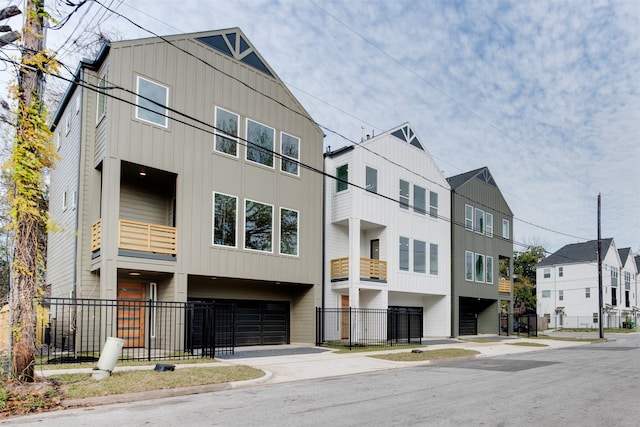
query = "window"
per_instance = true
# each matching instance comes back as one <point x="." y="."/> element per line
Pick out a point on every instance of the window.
<point x="78" y="101"/>
<point x="587" y="292"/>
<point x="433" y="259"/>
<point x="560" y="295"/>
<point x="342" y="175"/>
<point x="595" y="317"/>
<point x="404" y="194"/>
<point x="560" y="271"/>
<point x="480" y="270"/>
<point x="489" y="269"/>
<point x="260" y="139"/>
<point x="419" y="256"/>
<point x="404" y="253"/>
<point x="627" y="279"/>
<point x="288" y="232"/>
<point x="64" y="201"/>
<point x="468" y="217"/>
<point x="67" y="124"/>
<point x="151" y="102"/>
<point x="433" y="204"/>
<point x="58" y="141"/>
<point x="627" y="300"/>
<point x="74" y="200"/>
<point x="505" y="228"/>
<point x="371" y="179"/>
<point x="102" y="98"/>
<point x="614" y="296"/>
<point x="546" y="294"/>
<point x="227" y="126"/>
<point x="224" y="219"/>
<point x="547" y="273"/>
<point x="489" y="225"/>
<point x="258" y="226"/>
<point x="468" y="266"/>
<point x="290" y="150"/>
<point x="479" y="221"/>
<point x="419" y="200"/>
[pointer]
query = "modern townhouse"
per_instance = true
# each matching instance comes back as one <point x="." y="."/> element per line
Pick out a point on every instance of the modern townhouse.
<point x="568" y="286"/>
<point x="481" y="256"/>
<point x="387" y="233"/>
<point x="180" y="179"/>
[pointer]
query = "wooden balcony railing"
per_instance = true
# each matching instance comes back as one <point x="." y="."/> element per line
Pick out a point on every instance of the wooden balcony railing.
<point x="139" y="236"/>
<point x="504" y="286"/>
<point x="369" y="268"/>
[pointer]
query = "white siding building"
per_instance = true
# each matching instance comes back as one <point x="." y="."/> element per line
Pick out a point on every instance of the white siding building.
<point x="387" y="229"/>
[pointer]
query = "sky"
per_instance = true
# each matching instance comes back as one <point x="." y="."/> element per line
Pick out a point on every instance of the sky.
<point x="546" y="94"/>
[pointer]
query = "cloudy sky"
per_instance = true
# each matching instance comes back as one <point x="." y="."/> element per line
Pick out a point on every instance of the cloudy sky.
<point x="544" y="93"/>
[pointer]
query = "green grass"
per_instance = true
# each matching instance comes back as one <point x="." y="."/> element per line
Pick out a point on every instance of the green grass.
<point x="528" y="344"/>
<point x="480" y="339"/>
<point x="444" y="353"/>
<point x="547" y="337"/>
<point x="340" y="347"/>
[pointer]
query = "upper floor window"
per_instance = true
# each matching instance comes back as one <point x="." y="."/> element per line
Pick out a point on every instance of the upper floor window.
<point x="260" y="143"/>
<point x="468" y="217"/>
<point x="342" y="175"/>
<point x="546" y="293"/>
<point x="547" y="273"/>
<point x="371" y="179"/>
<point x="419" y="256"/>
<point x="404" y="194"/>
<point x="560" y="271"/>
<point x="65" y="201"/>
<point x="489" y="225"/>
<point x="560" y="295"/>
<point x="419" y="200"/>
<point x="489" y="269"/>
<point x="627" y="278"/>
<point x="587" y="292"/>
<point x="433" y="204"/>
<point x="479" y="221"/>
<point x="224" y="219"/>
<point x="67" y="124"/>
<point x="290" y="150"/>
<point x="480" y="268"/>
<point x="227" y="126"/>
<point x="258" y="226"/>
<point x="403" y="256"/>
<point x="433" y="259"/>
<point x="151" y="102"/>
<point x="288" y="231"/>
<point x="505" y="228"/>
<point x="78" y="102"/>
<point x="102" y="98"/>
<point x="468" y="266"/>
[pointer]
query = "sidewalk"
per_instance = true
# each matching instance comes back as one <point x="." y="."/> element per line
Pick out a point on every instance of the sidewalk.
<point x="298" y="362"/>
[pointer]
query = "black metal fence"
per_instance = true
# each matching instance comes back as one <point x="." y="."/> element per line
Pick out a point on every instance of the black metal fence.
<point x="364" y="327"/>
<point x="526" y="324"/>
<point x="75" y="330"/>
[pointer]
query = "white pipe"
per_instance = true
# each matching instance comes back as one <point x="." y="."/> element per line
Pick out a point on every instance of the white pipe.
<point x="108" y="358"/>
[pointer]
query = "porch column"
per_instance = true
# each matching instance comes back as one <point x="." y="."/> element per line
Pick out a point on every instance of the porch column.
<point x="354" y="262"/>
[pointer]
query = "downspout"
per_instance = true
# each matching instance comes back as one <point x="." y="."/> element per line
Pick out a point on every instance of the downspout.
<point x="454" y="301"/>
<point x="77" y="200"/>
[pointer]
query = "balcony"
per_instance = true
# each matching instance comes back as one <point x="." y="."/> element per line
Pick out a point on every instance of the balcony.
<point x="140" y="237"/>
<point x="370" y="269"/>
<point x="504" y="286"/>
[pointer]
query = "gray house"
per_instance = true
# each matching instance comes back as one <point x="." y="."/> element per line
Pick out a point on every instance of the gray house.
<point x="180" y="179"/>
<point x="481" y="254"/>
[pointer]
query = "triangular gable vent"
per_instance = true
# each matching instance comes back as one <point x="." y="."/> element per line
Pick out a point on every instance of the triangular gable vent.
<point x="406" y="134"/>
<point x="235" y="46"/>
<point x="486" y="177"/>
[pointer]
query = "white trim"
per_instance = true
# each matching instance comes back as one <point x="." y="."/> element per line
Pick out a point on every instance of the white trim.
<point x="217" y="133"/>
<point x="250" y="145"/>
<point x="244" y="228"/>
<point x="297" y="254"/>
<point x="213" y="221"/>
<point x="284" y="157"/>
<point x="166" y="103"/>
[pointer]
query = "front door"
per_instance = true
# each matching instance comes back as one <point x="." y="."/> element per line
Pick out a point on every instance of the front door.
<point x="131" y="300"/>
<point x="344" y="333"/>
<point x="375" y="249"/>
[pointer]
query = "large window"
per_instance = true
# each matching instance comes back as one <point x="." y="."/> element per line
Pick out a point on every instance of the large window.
<point x="224" y="219"/>
<point x="505" y="228"/>
<point x="371" y="179"/>
<point x="404" y="253"/>
<point x="546" y="273"/>
<point x="260" y="143"/>
<point x="227" y="126"/>
<point x="468" y="217"/>
<point x="489" y="224"/>
<point x="290" y="150"/>
<point x="342" y="175"/>
<point x="433" y="204"/>
<point x="419" y="200"/>
<point x="102" y="98"/>
<point x="419" y="256"/>
<point x="433" y="259"/>
<point x="468" y="266"/>
<point x="404" y="194"/>
<point x="489" y="269"/>
<point x="288" y="231"/>
<point x="480" y="270"/>
<point x="479" y="221"/>
<point x="546" y="293"/>
<point x="258" y="226"/>
<point x="151" y="102"/>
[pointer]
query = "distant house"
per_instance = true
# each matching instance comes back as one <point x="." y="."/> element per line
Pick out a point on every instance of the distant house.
<point x="481" y="256"/>
<point x="387" y="231"/>
<point x="180" y="179"/>
<point x="568" y="290"/>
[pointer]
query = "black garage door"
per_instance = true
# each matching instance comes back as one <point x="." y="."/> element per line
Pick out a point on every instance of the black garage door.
<point x="468" y="324"/>
<point x="261" y="322"/>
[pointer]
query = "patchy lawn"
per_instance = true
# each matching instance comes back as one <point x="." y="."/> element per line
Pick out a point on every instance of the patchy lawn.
<point x="528" y="344"/>
<point x="445" y="353"/>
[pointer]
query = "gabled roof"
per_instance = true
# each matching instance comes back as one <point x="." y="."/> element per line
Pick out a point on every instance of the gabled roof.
<point x="482" y="174"/>
<point x="406" y="133"/>
<point x="577" y="253"/>
<point x="624" y="255"/>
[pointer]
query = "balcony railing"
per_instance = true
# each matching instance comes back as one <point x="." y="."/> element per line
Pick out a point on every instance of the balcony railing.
<point x="140" y="236"/>
<point x="504" y="286"/>
<point x="369" y="269"/>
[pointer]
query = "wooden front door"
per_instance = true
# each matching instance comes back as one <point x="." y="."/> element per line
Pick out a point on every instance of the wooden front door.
<point x="344" y="305"/>
<point x="131" y="301"/>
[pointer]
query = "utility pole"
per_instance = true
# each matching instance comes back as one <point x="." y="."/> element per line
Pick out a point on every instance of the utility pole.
<point x="27" y="193"/>
<point x="600" y="302"/>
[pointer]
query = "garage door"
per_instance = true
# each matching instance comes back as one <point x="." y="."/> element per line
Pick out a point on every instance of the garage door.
<point x="468" y="324"/>
<point x="261" y="322"/>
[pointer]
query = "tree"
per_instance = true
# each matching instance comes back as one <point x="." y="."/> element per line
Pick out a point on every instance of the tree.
<point x="524" y="283"/>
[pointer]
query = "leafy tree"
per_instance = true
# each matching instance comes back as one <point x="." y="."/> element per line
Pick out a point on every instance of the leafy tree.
<point x="524" y="284"/>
